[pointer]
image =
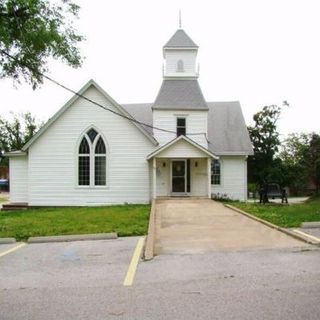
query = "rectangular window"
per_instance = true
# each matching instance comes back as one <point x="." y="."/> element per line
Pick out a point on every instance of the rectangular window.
<point x="215" y="172"/>
<point x="100" y="171"/>
<point x="181" y="126"/>
<point x="84" y="171"/>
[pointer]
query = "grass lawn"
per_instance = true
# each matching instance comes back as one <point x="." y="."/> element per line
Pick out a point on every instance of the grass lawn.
<point x="126" y="220"/>
<point x="286" y="216"/>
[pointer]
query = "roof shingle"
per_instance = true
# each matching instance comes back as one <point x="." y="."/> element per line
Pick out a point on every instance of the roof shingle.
<point x="180" y="95"/>
<point x="180" y="40"/>
<point x="227" y="131"/>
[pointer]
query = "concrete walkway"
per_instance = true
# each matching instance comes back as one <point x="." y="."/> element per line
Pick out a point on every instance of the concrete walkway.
<point x="187" y="226"/>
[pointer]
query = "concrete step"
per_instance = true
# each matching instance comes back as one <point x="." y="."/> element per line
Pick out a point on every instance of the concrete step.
<point x="14" y="206"/>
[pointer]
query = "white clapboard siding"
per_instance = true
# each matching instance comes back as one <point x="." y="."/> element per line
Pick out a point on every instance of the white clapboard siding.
<point x="53" y="158"/>
<point x="196" y="122"/>
<point x="18" y="171"/>
<point x="233" y="178"/>
<point x="188" y="58"/>
<point x="181" y="149"/>
<point x="163" y="177"/>
<point x="199" y="177"/>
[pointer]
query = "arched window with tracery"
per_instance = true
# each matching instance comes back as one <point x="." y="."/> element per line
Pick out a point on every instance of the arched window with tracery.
<point x="92" y="160"/>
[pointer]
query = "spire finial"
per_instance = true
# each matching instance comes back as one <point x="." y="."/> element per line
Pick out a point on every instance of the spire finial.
<point x="179" y="19"/>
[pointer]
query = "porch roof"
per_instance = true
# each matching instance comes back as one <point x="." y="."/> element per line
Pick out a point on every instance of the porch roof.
<point x="201" y="151"/>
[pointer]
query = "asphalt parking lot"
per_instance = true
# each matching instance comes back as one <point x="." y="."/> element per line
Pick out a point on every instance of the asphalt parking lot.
<point x="85" y="280"/>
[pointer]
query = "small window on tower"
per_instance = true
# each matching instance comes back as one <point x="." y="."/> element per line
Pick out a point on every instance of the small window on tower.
<point x="181" y="126"/>
<point x="180" y="67"/>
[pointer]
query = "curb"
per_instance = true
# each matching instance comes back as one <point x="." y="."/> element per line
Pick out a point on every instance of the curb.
<point x="76" y="237"/>
<point x="310" y="225"/>
<point x="7" y="240"/>
<point x="149" y="244"/>
<point x="273" y="226"/>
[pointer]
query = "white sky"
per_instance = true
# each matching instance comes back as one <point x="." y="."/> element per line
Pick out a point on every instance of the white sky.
<point x="259" y="52"/>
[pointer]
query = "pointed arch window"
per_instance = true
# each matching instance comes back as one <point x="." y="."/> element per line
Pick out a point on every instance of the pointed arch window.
<point x="92" y="160"/>
<point x="180" y="66"/>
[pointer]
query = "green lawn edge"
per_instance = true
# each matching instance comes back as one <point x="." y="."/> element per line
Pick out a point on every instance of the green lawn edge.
<point x="125" y="220"/>
<point x="286" y="216"/>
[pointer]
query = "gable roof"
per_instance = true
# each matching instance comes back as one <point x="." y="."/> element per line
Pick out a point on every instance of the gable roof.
<point x="227" y="131"/>
<point x="60" y="112"/>
<point x="174" y="141"/>
<point x="142" y="112"/>
<point x="182" y="94"/>
<point x="180" y="40"/>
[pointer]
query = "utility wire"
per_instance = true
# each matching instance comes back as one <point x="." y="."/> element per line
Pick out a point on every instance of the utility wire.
<point x="83" y="97"/>
<point x="94" y="102"/>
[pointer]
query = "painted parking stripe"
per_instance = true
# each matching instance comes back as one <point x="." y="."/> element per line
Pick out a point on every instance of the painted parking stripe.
<point x="12" y="249"/>
<point x="307" y="235"/>
<point x="134" y="263"/>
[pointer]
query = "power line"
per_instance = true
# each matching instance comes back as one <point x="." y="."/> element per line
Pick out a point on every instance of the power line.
<point x="94" y="102"/>
<point x="83" y="97"/>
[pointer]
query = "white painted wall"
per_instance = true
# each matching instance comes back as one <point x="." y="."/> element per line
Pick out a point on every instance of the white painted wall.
<point x="233" y="178"/>
<point x="196" y="121"/>
<point x="188" y="57"/>
<point x="199" y="180"/>
<point x="181" y="149"/>
<point x="18" y="172"/>
<point x="199" y="177"/>
<point x="53" y="171"/>
<point x="163" y="177"/>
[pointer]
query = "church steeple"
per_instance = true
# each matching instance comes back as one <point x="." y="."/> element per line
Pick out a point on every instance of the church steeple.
<point x="180" y="55"/>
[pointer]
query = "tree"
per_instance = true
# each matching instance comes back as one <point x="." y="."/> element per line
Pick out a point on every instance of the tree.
<point x="313" y="159"/>
<point x="33" y="31"/>
<point x="293" y="154"/>
<point x="265" y="139"/>
<point x="300" y="156"/>
<point x="16" y="133"/>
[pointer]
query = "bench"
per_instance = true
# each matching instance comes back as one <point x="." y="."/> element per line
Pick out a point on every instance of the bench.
<point x="272" y="190"/>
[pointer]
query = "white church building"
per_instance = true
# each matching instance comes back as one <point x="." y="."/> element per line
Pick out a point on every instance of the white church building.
<point x="94" y="151"/>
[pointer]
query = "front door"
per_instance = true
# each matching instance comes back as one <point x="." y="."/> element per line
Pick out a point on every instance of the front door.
<point x="179" y="176"/>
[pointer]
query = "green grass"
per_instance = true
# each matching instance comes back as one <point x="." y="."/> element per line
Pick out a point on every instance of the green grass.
<point x="287" y="216"/>
<point x="126" y="220"/>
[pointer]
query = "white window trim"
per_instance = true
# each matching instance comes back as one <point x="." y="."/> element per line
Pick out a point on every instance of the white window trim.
<point x="220" y="184"/>
<point x="92" y="156"/>
<point x="186" y="123"/>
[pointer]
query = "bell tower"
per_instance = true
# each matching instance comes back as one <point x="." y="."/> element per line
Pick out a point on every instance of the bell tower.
<point x="180" y="56"/>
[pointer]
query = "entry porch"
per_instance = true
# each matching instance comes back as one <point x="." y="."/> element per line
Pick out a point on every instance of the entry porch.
<point x="181" y="168"/>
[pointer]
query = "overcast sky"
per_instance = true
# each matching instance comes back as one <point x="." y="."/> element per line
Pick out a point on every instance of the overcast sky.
<point x="259" y="52"/>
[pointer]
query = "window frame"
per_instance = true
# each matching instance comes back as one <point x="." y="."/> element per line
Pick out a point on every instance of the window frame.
<point x="92" y="156"/>
<point x="214" y="174"/>
<point x="181" y="127"/>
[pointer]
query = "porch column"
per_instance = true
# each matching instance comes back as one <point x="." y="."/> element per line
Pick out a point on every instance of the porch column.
<point x="154" y="177"/>
<point x="209" y="177"/>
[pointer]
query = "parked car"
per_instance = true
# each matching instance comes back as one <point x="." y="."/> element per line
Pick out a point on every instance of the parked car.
<point x="272" y="190"/>
<point x="4" y="184"/>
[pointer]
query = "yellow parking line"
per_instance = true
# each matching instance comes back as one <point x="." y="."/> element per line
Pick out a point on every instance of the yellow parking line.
<point x="12" y="249"/>
<point x="134" y="263"/>
<point x="307" y="235"/>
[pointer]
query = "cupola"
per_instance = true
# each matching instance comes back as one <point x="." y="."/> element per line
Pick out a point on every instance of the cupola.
<point x="180" y="56"/>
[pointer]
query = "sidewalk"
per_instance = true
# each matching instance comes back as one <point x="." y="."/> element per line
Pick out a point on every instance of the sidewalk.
<point x="197" y="226"/>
